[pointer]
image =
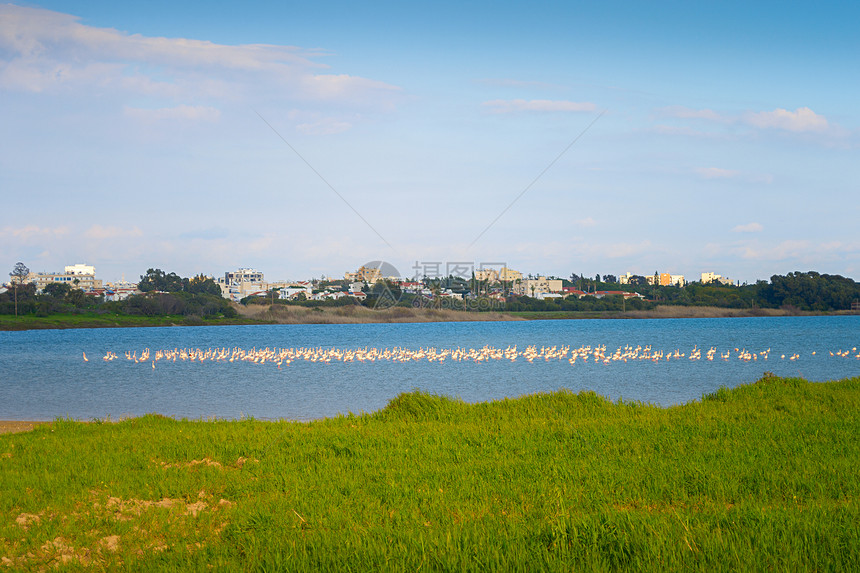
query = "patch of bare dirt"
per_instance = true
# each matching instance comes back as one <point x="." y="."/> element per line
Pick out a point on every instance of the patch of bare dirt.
<point x="14" y="427"/>
<point x="110" y="543"/>
<point x="240" y="462"/>
<point x="25" y="519"/>
<point x="63" y="552"/>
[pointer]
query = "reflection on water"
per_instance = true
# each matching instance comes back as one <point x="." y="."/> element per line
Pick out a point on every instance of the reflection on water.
<point x="312" y="371"/>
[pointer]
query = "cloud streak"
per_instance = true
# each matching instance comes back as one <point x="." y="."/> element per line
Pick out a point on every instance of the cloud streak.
<point x="537" y="105"/>
<point x="101" y="233"/>
<point x="179" y="113"/>
<point x="801" y="120"/>
<point x="717" y="173"/>
<point x="749" y="228"/>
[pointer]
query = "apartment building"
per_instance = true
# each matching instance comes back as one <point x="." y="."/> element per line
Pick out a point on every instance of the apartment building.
<point x="364" y="274"/>
<point x="509" y="275"/>
<point x="538" y="286"/>
<point x="77" y="276"/>
<point x="489" y="275"/>
<point x="236" y="285"/>
<point x="710" y="277"/>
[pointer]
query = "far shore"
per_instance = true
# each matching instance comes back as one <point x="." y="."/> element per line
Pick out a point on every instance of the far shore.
<point x="291" y="314"/>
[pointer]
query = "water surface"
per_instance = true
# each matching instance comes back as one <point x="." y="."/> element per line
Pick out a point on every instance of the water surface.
<point x="43" y="374"/>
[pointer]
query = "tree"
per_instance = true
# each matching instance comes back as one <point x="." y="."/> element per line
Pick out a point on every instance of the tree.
<point x="58" y="291"/>
<point x="18" y="274"/>
<point x="157" y="279"/>
<point x="202" y="284"/>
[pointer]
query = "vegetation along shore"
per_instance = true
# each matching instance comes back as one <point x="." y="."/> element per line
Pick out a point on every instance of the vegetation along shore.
<point x="760" y="477"/>
<point x="294" y="314"/>
<point x="197" y="302"/>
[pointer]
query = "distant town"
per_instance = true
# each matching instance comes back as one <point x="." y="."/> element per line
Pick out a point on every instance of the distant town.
<point x="499" y="283"/>
<point x="378" y="285"/>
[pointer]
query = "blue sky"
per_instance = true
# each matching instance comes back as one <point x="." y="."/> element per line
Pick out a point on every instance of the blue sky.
<point x="137" y="136"/>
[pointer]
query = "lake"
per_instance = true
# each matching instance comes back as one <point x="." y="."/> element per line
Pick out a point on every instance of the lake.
<point x="43" y="374"/>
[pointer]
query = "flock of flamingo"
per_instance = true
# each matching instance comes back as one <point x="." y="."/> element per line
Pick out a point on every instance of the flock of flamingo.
<point x="597" y="354"/>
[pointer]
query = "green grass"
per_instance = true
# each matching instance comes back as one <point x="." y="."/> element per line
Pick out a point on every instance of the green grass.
<point x="761" y="477"/>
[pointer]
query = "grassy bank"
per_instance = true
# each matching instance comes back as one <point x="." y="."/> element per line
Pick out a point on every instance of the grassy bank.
<point x="252" y="314"/>
<point x="760" y="477"/>
<point x="284" y="314"/>
<point x="357" y="314"/>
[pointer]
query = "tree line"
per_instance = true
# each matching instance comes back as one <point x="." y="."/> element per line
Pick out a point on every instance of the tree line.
<point x="806" y="291"/>
<point x="166" y="293"/>
<point x="162" y="294"/>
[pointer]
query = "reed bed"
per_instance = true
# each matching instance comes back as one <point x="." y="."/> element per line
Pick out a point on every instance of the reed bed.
<point x="759" y="477"/>
<point x="357" y="314"/>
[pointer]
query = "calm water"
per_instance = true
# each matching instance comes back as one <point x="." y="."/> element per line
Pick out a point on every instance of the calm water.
<point x="43" y="374"/>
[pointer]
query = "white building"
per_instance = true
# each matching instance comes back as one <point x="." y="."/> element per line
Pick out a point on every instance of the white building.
<point x="711" y="278"/>
<point x="292" y="291"/>
<point x="77" y="276"/>
<point x="120" y="290"/>
<point x="244" y="276"/>
<point x="80" y="269"/>
<point x="236" y="285"/>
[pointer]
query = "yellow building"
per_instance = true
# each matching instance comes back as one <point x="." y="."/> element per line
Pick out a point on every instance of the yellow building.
<point x="364" y="274"/>
<point x="509" y="275"/>
<point x="490" y="275"/>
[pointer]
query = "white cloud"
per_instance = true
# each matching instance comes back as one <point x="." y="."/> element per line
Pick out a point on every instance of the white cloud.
<point x="519" y="105"/>
<point x="689" y="113"/>
<point x="178" y="113"/>
<point x="329" y="86"/>
<point x="326" y="126"/>
<point x="99" y="232"/>
<point x="686" y="131"/>
<point x="28" y="233"/>
<point x="748" y="228"/>
<point x="46" y="51"/>
<point x="716" y="173"/>
<point x="801" y="120"/>
<point x="34" y="34"/>
<point x="587" y="222"/>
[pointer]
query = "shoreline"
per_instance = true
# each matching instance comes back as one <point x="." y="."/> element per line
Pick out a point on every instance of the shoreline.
<point x="16" y="426"/>
<point x="283" y="314"/>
